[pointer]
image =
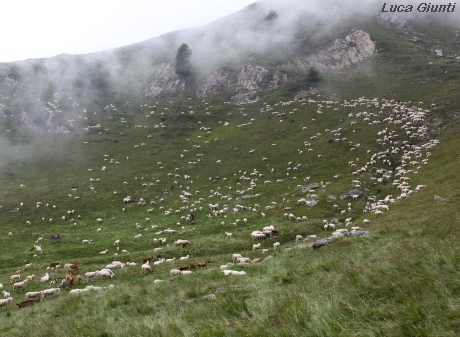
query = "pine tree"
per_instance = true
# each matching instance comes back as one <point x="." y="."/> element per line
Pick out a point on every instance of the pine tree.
<point x="183" y="65"/>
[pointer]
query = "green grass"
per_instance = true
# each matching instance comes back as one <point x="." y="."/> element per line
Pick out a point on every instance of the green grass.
<point x="400" y="281"/>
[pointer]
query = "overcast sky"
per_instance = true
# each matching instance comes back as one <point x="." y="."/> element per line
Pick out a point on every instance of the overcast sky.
<point x="44" y="28"/>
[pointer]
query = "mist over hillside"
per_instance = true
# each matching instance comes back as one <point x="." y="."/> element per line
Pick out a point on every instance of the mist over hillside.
<point x="299" y="125"/>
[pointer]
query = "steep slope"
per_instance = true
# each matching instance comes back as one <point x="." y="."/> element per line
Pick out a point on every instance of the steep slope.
<point x="383" y="129"/>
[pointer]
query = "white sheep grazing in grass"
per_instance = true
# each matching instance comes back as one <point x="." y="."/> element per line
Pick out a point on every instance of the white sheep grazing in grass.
<point x="90" y="274"/>
<point x="138" y="236"/>
<point x="264" y="251"/>
<point x="186" y="272"/>
<point x="183" y="258"/>
<point x="276" y="245"/>
<point x="146" y="268"/>
<point x="233" y="272"/>
<point x="27" y="266"/>
<point x="366" y="221"/>
<point x="225" y="266"/>
<point x="6" y="294"/>
<point x="298" y="238"/>
<point x="171" y="260"/>
<point x="85" y="241"/>
<point x="103" y="252"/>
<point x="19" y="285"/>
<point x="228" y="235"/>
<point x="105" y="273"/>
<point x="5" y="301"/>
<point x="157" y="263"/>
<point x="236" y="256"/>
<point x="175" y="272"/>
<point x="124" y="251"/>
<point x="256" y="246"/>
<point x="99" y="220"/>
<point x="50" y="291"/>
<point x="45" y="278"/>
<point x="30" y="277"/>
<point x="15" y="277"/>
<point x="33" y="294"/>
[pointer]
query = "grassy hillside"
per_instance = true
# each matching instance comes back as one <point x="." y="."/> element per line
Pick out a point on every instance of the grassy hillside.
<point x="401" y="280"/>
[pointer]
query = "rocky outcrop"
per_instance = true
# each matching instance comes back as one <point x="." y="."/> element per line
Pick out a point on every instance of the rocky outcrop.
<point x="165" y="83"/>
<point x="342" y="53"/>
<point x="278" y="79"/>
<point x="213" y="83"/>
<point x="251" y="76"/>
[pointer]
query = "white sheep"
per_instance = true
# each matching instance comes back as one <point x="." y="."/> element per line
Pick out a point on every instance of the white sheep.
<point x="6" y="294"/>
<point x="233" y="272"/>
<point x="256" y="246"/>
<point x="50" y="291"/>
<point x="15" y="278"/>
<point x="228" y="235"/>
<point x="33" y="294"/>
<point x="186" y="272"/>
<point x="85" y="241"/>
<point x="146" y="268"/>
<point x="19" y="285"/>
<point x="90" y="274"/>
<point x="276" y="245"/>
<point x="183" y="258"/>
<point x="45" y="278"/>
<point x="175" y="272"/>
<point x="225" y="266"/>
<point x="5" y="301"/>
<point x="30" y="277"/>
<point x="105" y="273"/>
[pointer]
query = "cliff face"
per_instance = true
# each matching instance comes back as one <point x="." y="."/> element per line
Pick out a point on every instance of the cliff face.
<point x="213" y="83"/>
<point x="166" y="82"/>
<point x="343" y="53"/>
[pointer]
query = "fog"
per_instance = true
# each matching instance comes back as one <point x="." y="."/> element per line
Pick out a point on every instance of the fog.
<point x="45" y="94"/>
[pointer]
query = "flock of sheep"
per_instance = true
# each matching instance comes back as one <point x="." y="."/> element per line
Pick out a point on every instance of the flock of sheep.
<point x="232" y="196"/>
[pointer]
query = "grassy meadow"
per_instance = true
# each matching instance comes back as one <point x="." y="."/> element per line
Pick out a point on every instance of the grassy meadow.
<point x="402" y="280"/>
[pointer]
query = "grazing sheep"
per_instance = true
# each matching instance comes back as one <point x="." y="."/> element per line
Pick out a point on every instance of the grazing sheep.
<point x="236" y="256"/>
<point x="233" y="272"/>
<point x="45" y="278"/>
<point x="50" y="291"/>
<point x="19" y="285"/>
<point x="224" y="266"/>
<point x="256" y="246"/>
<point x="175" y="272"/>
<point x="33" y="294"/>
<point x="276" y="245"/>
<point x="5" y="301"/>
<point x="146" y="268"/>
<point x="228" y="235"/>
<point x="183" y="258"/>
<point x="298" y="238"/>
<point x="15" y="278"/>
<point x="6" y="294"/>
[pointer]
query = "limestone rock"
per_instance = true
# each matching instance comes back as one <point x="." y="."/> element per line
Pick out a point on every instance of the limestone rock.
<point x="213" y="83"/>
<point x="278" y="79"/>
<point x="250" y="77"/>
<point x="343" y="53"/>
<point x="166" y="82"/>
